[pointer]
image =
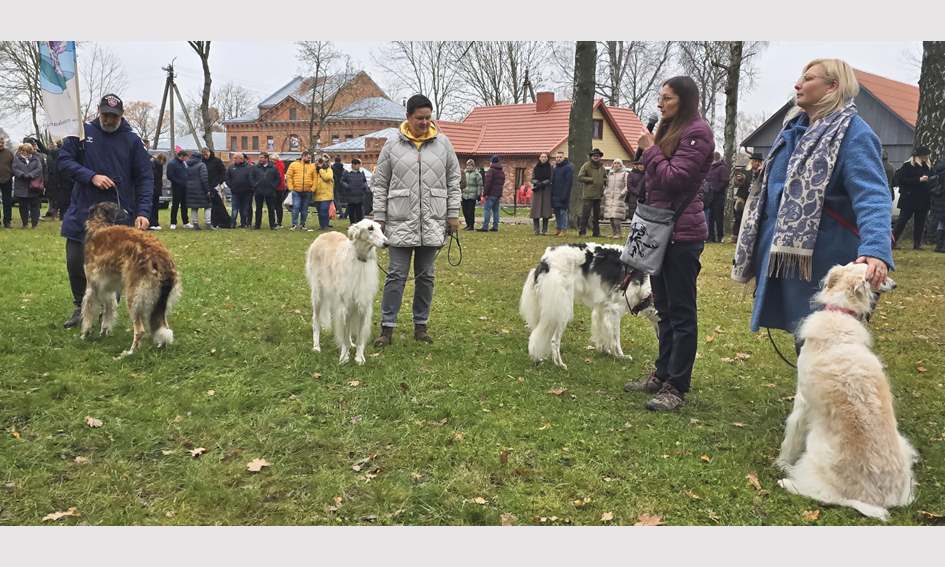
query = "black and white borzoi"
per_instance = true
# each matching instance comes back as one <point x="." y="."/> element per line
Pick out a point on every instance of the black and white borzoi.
<point x="342" y="273"/>
<point x="591" y="273"/>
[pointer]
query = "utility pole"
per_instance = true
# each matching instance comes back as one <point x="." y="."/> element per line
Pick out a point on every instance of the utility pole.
<point x="170" y="91"/>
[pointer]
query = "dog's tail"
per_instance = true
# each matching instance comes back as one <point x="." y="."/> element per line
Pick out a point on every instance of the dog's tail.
<point x="551" y="306"/>
<point x="167" y="296"/>
<point x="528" y="303"/>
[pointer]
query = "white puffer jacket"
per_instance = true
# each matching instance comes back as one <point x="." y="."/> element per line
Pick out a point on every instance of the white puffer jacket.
<point x="415" y="191"/>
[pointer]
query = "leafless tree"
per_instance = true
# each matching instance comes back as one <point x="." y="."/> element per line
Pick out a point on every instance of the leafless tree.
<point x="202" y="49"/>
<point x="426" y="67"/>
<point x="100" y="73"/>
<point x="701" y="61"/>
<point x="928" y="128"/>
<point x="327" y="72"/>
<point x="737" y="64"/>
<point x="19" y="80"/>
<point x="580" y="121"/>
<point x="143" y="118"/>
<point x="745" y="125"/>
<point x="499" y="72"/>
<point x="231" y="101"/>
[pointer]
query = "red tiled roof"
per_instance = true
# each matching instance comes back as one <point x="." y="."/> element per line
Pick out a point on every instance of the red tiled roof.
<point x="901" y="98"/>
<point x="519" y="129"/>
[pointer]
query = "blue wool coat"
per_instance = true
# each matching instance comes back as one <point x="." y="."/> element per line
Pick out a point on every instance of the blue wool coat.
<point x="857" y="191"/>
<point x="121" y="156"/>
<point x="562" y="177"/>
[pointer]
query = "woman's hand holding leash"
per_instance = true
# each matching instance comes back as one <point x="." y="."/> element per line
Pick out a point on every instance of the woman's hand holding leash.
<point x="142" y="223"/>
<point x="103" y="182"/>
<point x="452" y="226"/>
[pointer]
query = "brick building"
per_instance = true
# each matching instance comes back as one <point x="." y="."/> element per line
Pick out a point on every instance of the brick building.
<point x="281" y="121"/>
<point x="517" y="133"/>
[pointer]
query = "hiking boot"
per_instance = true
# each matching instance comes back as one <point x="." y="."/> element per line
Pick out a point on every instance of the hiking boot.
<point x="651" y="384"/>
<point x="386" y="338"/>
<point x="940" y="241"/>
<point x="420" y="334"/>
<point x="74" y="320"/>
<point x="668" y="399"/>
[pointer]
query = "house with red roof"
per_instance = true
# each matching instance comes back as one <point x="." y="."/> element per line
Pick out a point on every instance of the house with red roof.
<point x="891" y="108"/>
<point x="517" y="133"/>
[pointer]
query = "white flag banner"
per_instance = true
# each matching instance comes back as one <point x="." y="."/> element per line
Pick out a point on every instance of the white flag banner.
<point x="59" y="84"/>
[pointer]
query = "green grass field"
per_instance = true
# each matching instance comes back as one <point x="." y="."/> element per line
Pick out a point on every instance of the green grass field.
<point x="461" y="432"/>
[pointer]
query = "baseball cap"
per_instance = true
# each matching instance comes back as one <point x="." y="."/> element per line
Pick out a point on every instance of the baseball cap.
<point x="111" y="104"/>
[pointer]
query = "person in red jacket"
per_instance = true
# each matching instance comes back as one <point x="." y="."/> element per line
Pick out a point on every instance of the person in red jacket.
<point x="280" y="190"/>
<point x="677" y="161"/>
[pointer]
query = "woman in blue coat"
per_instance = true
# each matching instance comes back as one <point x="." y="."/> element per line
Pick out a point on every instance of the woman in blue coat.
<point x="561" y="180"/>
<point x="836" y="208"/>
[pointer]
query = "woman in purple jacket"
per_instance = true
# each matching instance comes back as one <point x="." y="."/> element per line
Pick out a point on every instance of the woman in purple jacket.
<point x="677" y="160"/>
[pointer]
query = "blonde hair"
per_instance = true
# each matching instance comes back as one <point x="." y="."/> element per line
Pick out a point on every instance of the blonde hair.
<point x="836" y="71"/>
<point x="25" y="149"/>
<point x="615" y="163"/>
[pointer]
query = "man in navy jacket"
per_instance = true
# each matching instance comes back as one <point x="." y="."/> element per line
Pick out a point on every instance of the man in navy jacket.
<point x="110" y="164"/>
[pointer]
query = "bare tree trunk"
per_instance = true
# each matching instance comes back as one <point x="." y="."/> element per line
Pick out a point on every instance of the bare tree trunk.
<point x="202" y="48"/>
<point x="732" y="75"/>
<point x="580" y="122"/>
<point x="928" y="129"/>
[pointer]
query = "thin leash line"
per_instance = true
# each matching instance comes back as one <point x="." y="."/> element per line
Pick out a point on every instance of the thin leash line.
<point x="777" y="350"/>
<point x="449" y="255"/>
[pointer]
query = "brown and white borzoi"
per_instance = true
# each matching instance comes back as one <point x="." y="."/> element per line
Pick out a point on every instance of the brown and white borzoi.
<point x="118" y="257"/>
<point x="591" y="273"/>
<point x="342" y="273"/>
<point x="841" y="443"/>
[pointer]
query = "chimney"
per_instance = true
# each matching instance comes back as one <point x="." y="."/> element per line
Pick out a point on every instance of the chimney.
<point x="544" y="101"/>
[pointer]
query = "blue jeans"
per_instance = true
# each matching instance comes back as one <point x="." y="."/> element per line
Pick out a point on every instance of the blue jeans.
<point x="561" y="219"/>
<point x="490" y="207"/>
<point x="300" y="206"/>
<point x="241" y="203"/>
<point x="322" y="207"/>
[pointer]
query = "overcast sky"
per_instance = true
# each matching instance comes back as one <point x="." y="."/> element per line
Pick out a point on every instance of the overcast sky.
<point x="264" y="66"/>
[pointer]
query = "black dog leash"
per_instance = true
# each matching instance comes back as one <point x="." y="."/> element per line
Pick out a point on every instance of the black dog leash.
<point x="454" y="236"/>
<point x="777" y="350"/>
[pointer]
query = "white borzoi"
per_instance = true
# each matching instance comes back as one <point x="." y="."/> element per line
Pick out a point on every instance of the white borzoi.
<point x="342" y="273"/>
<point x="591" y="273"/>
<point x="841" y="445"/>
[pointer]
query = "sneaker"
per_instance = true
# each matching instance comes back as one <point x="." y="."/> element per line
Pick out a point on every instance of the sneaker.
<point x="173" y="227"/>
<point x="651" y="384"/>
<point x="667" y="399"/>
<point x="494" y="229"/>
<point x="482" y="230"/>
<point x="154" y="228"/>
<point x="189" y="225"/>
<point x="74" y="320"/>
<point x="294" y="227"/>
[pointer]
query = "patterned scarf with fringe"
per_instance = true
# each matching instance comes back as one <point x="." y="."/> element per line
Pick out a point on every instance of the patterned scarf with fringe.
<point x="809" y="171"/>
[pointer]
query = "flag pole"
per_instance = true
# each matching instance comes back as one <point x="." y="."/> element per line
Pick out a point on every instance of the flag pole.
<point x="78" y="99"/>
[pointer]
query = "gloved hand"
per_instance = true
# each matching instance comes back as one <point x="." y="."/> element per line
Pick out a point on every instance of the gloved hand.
<point x="452" y="226"/>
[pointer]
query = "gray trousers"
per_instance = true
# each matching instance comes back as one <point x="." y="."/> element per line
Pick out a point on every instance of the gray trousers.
<point x="423" y="265"/>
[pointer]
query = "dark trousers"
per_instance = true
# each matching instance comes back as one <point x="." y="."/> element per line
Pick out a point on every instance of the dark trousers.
<point x="280" y="208"/>
<point x="29" y="210"/>
<point x="717" y="226"/>
<point x="270" y="202"/>
<point x="179" y="200"/>
<point x="323" y="208"/>
<point x="908" y="210"/>
<point x="6" y="192"/>
<point x="469" y="212"/>
<point x="355" y="212"/>
<point x="242" y="208"/>
<point x="75" y="266"/>
<point x="590" y="206"/>
<point x="155" y="207"/>
<point x="674" y="295"/>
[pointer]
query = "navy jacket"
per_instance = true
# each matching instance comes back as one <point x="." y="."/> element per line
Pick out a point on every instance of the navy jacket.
<point x="121" y="156"/>
<point x="265" y="179"/>
<point x="239" y="178"/>
<point x="177" y="173"/>
<point x="561" y="180"/>
<point x="354" y="188"/>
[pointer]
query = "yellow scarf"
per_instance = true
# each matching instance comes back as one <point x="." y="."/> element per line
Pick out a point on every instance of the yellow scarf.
<point x="405" y="130"/>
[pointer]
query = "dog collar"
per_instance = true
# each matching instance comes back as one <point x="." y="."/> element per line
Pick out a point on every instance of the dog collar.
<point x="839" y="309"/>
<point x="647" y="302"/>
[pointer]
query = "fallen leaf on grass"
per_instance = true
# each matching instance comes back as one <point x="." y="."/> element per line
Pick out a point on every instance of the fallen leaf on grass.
<point x="931" y="517"/>
<point x="753" y="480"/>
<point x="167" y="452"/>
<point x="362" y="463"/>
<point x="483" y="318"/>
<point x="479" y="500"/>
<point x="56" y="516"/>
<point x="211" y="392"/>
<point x="197" y="452"/>
<point x="582" y="502"/>
<point x="15" y="434"/>
<point x="557" y="391"/>
<point x="458" y="436"/>
<point x="742" y="356"/>
<point x="648" y="520"/>
<point x="504" y="457"/>
<point x="921" y="369"/>
<point x="416" y="477"/>
<point x="440" y="423"/>
<point x="507" y="519"/>
<point x="738" y="424"/>
<point x="93" y="422"/>
<point x="316" y="375"/>
<point x="705" y="459"/>
<point x="710" y="338"/>
<point x="80" y="460"/>
<point x="727" y="359"/>
<point x="692" y="495"/>
<point x="811" y="515"/>
<point x="547" y="425"/>
<point x="354" y="383"/>
<point x="257" y="465"/>
<point x="607" y="517"/>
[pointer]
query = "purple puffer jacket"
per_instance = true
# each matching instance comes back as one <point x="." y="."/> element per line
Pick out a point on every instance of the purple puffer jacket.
<point x="669" y="181"/>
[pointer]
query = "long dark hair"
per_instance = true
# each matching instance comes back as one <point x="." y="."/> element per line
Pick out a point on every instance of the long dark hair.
<point x="669" y="131"/>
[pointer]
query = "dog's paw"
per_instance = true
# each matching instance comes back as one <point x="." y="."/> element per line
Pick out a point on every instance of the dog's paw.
<point x="124" y="354"/>
<point x="344" y="358"/>
<point x="106" y="332"/>
<point x="359" y="359"/>
<point x="316" y="348"/>
<point x="787" y="484"/>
